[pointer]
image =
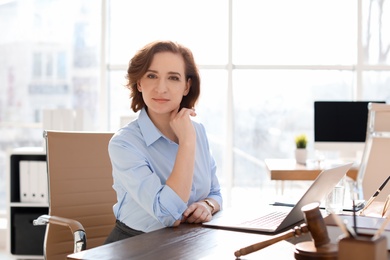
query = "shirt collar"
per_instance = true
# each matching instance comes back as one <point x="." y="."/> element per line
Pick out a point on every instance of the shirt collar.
<point x="148" y="129"/>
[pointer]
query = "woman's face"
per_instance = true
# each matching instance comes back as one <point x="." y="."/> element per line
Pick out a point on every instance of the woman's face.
<point x="164" y="83"/>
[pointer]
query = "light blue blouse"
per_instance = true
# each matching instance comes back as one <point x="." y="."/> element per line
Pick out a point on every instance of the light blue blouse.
<point x="142" y="160"/>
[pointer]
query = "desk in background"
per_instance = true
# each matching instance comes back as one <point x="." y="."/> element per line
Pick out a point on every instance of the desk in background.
<point x="290" y="170"/>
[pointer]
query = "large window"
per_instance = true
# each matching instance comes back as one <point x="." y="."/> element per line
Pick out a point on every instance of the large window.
<point x="262" y="63"/>
<point x="301" y="32"/>
<point x="49" y="59"/>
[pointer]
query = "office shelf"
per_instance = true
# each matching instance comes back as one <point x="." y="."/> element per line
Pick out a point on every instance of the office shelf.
<point x="25" y="239"/>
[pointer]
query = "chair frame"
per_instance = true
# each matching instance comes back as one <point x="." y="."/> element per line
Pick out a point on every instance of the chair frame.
<point x="77" y="147"/>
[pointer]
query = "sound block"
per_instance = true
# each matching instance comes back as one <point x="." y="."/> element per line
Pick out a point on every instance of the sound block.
<point x="307" y="251"/>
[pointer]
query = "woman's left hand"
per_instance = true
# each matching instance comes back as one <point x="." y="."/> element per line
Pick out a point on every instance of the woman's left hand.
<point x="197" y="212"/>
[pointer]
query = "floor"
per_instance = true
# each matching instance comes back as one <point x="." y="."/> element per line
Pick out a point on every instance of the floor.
<point x="269" y="192"/>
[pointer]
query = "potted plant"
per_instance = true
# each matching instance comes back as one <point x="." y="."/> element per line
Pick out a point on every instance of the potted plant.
<point x="301" y="152"/>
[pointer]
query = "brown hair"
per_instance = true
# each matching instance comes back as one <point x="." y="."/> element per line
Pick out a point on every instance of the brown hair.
<point x="141" y="61"/>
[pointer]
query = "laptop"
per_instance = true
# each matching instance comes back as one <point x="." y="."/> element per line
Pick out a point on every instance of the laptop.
<point x="272" y="219"/>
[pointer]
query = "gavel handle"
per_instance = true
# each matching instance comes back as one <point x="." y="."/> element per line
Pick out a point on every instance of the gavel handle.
<point x="273" y="240"/>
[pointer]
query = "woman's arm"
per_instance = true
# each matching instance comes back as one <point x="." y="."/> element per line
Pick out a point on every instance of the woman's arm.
<point x="180" y="179"/>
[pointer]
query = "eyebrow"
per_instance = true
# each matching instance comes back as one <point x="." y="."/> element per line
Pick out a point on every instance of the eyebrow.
<point x="169" y="72"/>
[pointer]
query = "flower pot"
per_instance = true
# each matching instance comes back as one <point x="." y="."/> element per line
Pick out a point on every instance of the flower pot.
<point x="301" y="155"/>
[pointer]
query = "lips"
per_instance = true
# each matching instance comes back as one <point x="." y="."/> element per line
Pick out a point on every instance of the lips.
<point x="161" y="100"/>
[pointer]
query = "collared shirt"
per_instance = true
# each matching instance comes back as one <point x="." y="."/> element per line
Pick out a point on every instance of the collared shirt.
<point x="142" y="160"/>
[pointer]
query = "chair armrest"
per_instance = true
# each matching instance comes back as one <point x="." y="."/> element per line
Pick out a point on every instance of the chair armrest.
<point x="74" y="225"/>
<point x="77" y="229"/>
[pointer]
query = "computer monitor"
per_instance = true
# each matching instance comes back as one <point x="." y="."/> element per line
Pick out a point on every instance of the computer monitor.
<point x="341" y="127"/>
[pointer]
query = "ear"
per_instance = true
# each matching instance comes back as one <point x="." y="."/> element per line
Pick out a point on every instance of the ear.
<point x="188" y="87"/>
<point x="139" y="86"/>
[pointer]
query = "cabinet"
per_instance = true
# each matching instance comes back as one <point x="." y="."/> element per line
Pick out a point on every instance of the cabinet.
<point x="25" y="239"/>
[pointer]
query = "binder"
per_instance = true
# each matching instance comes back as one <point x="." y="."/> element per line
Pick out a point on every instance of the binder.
<point x="42" y="182"/>
<point x="24" y="179"/>
<point x="34" y="180"/>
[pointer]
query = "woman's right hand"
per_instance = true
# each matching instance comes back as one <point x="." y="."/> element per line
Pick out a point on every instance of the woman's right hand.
<point x="182" y="125"/>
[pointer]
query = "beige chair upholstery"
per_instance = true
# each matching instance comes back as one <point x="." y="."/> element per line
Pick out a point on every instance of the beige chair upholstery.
<point x="375" y="165"/>
<point x="81" y="196"/>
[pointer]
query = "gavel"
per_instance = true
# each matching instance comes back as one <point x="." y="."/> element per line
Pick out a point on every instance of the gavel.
<point x="319" y="248"/>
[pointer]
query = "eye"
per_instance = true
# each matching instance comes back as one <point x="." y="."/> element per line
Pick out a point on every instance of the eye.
<point x="175" y="78"/>
<point x="151" y="76"/>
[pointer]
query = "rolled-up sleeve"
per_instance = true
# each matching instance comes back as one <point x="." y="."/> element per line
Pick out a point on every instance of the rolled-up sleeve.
<point x="138" y="186"/>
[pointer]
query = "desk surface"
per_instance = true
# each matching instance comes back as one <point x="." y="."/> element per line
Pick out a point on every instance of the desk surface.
<point x="194" y="241"/>
<point x="289" y="169"/>
<point x="188" y="241"/>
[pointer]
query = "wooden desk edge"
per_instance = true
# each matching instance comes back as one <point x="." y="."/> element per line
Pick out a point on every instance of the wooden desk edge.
<point x="289" y="170"/>
<point x="303" y="175"/>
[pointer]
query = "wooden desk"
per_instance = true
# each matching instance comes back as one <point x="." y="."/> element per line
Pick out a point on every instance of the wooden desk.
<point x="194" y="241"/>
<point x="289" y="170"/>
<point x="188" y="241"/>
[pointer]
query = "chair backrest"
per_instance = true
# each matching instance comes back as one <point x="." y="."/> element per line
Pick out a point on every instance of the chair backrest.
<point x="375" y="164"/>
<point x="80" y="188"/>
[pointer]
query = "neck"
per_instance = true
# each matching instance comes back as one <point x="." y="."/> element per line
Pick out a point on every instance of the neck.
<point x="161" y="121"/>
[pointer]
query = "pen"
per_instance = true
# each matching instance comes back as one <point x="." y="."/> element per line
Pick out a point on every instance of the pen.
<point x="354" y="209"/>
<point x="375" y="195"/>
<point x="354" y="216"/>
<point x="386" y="206"/>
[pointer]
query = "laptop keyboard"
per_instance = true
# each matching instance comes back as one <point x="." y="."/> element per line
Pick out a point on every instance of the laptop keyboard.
<point x="270" y="220"/>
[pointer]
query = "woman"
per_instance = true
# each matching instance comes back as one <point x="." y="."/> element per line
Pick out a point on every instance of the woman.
<point x="163" y="171"/>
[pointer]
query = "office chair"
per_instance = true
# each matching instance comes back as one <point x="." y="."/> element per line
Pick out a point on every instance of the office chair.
<point x="81" y="196"/>
<point x="375" y="165"/>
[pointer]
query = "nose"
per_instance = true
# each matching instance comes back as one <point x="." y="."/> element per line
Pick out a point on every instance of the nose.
<point x="161" y="86"/>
